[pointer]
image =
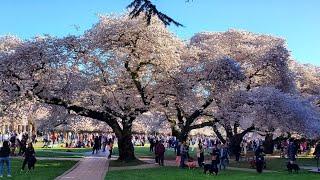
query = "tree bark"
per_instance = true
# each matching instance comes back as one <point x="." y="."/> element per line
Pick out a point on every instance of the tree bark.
<point x="219" y="135"/>
<point x="268" y="143"/>
<point x="183" y="135"/>
<point x="126" y="149"/>
<point x="236" y="139"/>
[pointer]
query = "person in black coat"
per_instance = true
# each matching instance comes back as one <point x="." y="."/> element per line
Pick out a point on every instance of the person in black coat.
<point x="317" y="154"/>
<point x="29" y="157"/>
<point x="96" y="145"/>
<point x="4" y="159"/>
<point x="259" y="153"/>
<point x="215" y="158"/>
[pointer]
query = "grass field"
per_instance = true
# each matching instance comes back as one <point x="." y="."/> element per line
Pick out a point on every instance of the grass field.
<point x="57" y="154"/>
<point x="61" y="152"/>
<point x="44" y="170"/>
<point x="143" y="151"/>
<point x="61" y="149"/>
<point x="277" y="164"/>
<point x="173" y="173"/>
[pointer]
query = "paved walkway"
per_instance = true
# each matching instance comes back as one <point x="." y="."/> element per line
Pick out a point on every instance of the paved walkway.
<point x="88" y="168"/>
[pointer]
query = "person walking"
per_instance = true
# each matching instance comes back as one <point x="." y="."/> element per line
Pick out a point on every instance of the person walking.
<point x="13" y="144"/>
<point x="151" y="141"/>
<point x="200" y="153"/>
<point x="215" y="157"/>
<point x="29" y="157"/>
<point x="22" y="144"/>
<point x="110" y="147"/>
<point x="155" y="152"/>
<point x="292" y="151"/>
<point x="160" y="149"/>
<point x="95" y="145"/>
<point x="183" y="153"/>
<point x="178" y="153"/>
<point x="317" y="154"/>
<point x="259" y="153"/>
<point x="224" y="157"/>
<point x="4" y="159"/>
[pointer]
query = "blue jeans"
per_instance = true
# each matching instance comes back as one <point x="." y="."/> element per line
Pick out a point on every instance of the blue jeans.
<point x="7" y="161"/>
<point x="183" y="158"/>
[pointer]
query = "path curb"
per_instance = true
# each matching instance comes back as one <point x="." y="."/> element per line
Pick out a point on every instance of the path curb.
<point x="69" y="170"/>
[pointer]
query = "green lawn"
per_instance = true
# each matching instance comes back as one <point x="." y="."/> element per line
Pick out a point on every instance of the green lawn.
<point x="277" y="164"/>
<point x="73" y="150"/>
<point x="272" y="163"/>
<point x="44" y="170"/>
<point x="173" y="173"/>
<point x="62" y="152"/>
<point x="57" y="154"/>
<point x="143" y="151"/>
<point x="116" y="163"/>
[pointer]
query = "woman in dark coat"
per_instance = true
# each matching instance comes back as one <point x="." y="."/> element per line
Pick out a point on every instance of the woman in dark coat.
<point x="29" y="157"/>
<point x="317" y="154"/>
<point x="4" y="159"/>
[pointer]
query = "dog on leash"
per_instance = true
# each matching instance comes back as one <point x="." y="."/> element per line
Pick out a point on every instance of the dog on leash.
<point x="210" y="168"/>
<point x="31" y="162"/>
<point x="293" y="167"/>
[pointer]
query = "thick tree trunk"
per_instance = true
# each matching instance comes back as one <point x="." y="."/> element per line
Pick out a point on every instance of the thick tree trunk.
<point x="174" y="132"/>
<point x="183" y="136"/>
<point x="235" y="142"/>
<point x="126" y="149"/>
<point x="268" y="143"/>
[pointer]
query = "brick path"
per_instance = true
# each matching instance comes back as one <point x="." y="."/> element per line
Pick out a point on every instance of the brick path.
<point x="88" y="168"/>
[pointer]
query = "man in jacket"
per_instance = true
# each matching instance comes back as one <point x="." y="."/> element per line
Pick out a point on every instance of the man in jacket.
<point x="317" y="154"/>
<point x="160" y="149"/>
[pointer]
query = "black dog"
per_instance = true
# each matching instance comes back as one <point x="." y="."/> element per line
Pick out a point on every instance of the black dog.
<point x="210" y="168"/>
<point x="294" y="167"/>
<point x="259" y="165"/>
<point x="31" y="162"/>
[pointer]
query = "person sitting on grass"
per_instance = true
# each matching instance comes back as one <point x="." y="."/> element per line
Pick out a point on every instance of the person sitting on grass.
<point x="29" y="158"/>
<point x="4" y="158"/>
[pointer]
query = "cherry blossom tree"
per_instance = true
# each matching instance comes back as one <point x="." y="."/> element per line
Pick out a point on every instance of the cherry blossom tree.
<point x="263" y="60"/>
<point x="190" y="98"/>
<point x="109" y="74"/>
<point x="271" y="110"/>
<point x="307" y="78"/>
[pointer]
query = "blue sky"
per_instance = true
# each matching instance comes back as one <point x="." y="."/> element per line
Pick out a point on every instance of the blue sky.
<point x="298" y="21"/>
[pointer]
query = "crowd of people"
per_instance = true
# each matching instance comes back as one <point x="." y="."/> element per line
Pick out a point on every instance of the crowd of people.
<point x="8" y="148"/>
<point x="210" y="152"/>
<point x="218" y="154"/>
